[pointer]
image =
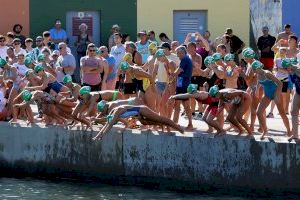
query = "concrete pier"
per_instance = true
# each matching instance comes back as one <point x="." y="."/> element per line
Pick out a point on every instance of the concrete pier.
<point x="189" y="161"/>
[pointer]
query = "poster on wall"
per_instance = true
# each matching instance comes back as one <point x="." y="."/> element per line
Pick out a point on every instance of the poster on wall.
<point x="76" y="21"/>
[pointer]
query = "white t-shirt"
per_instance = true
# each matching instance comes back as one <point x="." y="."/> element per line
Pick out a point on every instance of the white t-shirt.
<point x="174" y="58"/>
<point x="3" y="52"/>
<point x="162" y="74"/>
<point x="21" y="70"/>
<point x="118" y="52"/>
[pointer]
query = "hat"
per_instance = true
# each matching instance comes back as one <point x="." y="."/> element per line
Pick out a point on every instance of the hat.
<point x="55" y="52"/>
<point x="208" y="60"/>
<point x="28" y="60"/>
<point x="101" y="105"/>
<point x="127" y="57"/>
<point x="228" y="31"/>
<point x="124" y="66"/>
<point x="159" y="53"/>
<point x="229" y="57"/>
<point x="248" y="53"/>
<point x="67" y="79"/>
<point x="85" y="90"/>
<point x="26" y="95"/>
<point x="152" y="46"/>
<point x="256" y="65"/>
<point x="38" y="68"/>
<point x="16" y="40"/>
<point x="28" y="72"/>
<point x="143" y="32"/>
<point x="213" y="91"/>
<point x="294" y="61"/>
<point x="286" y="62"/>
<point x="2" y="62"/>
<point x="217" y="56"/>
<point x="265" y="28"/>
<point x="39" y="38"/>
<point x="192" y="88"/>
<point x="115" y="26"/>
<point x="41" y="57"/>
<point x="165" y="45"/>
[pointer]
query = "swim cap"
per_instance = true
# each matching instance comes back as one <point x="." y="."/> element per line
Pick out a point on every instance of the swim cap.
<point x="294" y="61"/>
<point x="101" y="105"/>
<point x="159" y="53"/>
<point x="28" y="60"/>
<point x="41" y="57"/>
<point x="256" y="65"/>
<point x="192" y="88"/>
<point x="248" y="53"/>
<point x="38" y="68"/>
<point x="124" y="66"/>
<point x="208" y="60"/>
<point x="85" y="90"/>
<point x="109" y="118"/>
<point x="152" y="46"/>
<point x="286" y="62"/>
<point x="67" y="79"/>
<point x="2" y="62"/>
<point x="229" y="57"/>
<point x="213" y="91"/>
<point x="127" y="57"/>
<point x="217" y="56"/>
<point x="28" y="72"/>
<point x="26" y="95"/>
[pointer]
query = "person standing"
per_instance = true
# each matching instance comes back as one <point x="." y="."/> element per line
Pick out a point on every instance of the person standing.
<point x="58" y="34"/>
<point x="66" y="63"/>
<point x="151" y="36"/>
<point x="111" y="41"/>
<point x="28" y="44"/>
<point x="82" y="41"/>
<point x="265" y="44"/>
<point x="142" y="46"/>
<point x="236" y="44"/>
<point x="17" y="47"/>
<point x="118" y="51"/>
<point x="39" y="46"/>
<point x="184" y="75"/>
<point x="17" y="29"/>
<point x="113" y="68"/>
<point x="47" y="41"/>
<point x="284" y="35"/>
<point x="91" y="69"/>
<point x="3" y="47"/>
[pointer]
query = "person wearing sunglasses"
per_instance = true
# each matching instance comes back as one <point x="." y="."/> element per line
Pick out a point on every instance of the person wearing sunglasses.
<point x="17" y="47"/>
<point x="67" y="63"/>
<point x="3" y="47"/>
<point x="112" y="68"/>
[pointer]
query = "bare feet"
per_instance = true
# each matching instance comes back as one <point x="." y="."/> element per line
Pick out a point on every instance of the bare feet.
<point x="189" y="128"/>
<point x="264" y="136"/>
<point x="13" y="121"/>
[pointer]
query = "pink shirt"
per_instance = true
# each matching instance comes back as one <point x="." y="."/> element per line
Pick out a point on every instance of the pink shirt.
<point x="91" y="78"/>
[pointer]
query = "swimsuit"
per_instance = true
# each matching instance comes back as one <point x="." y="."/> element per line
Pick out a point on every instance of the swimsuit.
<point x="212" y="105"/>
<point x="55" y="86"/>
<point x="269" y="88"/>
<point x="131" y="112"/>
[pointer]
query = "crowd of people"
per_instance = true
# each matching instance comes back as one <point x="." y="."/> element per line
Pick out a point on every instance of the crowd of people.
<point x="150" y="83"/>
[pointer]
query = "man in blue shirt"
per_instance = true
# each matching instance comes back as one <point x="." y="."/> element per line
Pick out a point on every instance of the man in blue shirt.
<point x="184" y="75"/>
<point x="58" y="34"/>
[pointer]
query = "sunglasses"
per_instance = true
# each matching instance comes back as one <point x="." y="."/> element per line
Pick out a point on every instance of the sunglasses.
<point x="92" y="50"/>
<point x="39" y="41"/>
<point x="17" y="43"/>
<point x="2" y="40"/>
<point x="60" y="48"/>
<point x="46" y="35"/>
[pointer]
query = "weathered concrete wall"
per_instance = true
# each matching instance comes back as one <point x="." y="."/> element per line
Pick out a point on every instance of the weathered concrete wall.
<point x="196" y="158"/>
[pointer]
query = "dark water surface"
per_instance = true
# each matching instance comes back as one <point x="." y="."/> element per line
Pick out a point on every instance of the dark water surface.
<point x="11" y="188"/>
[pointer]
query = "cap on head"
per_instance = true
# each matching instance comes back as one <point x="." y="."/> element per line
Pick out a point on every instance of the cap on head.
<point x="67" y="79"/>
<point x="228" y="31"/>
<point x="26" y="95"/>
<point x="127" y="57"/>
<point x="2" y="62"/>
<point x="208" y="60"/>
<point x="159" y="53"/>
<point x="115" y="26"/>
<point x="265" y="28"/>
<point x="286" y="62"/>
<point x="294" y="61"/>
<point x="124" y="66"/>
<point x="41" y="57"/>
<point x="217" y="57"/>
<point x="165" y="45"/>
<point x="152" y="46"/>
<point x="229" y="57"/>
<point x="28" y="72"/>
<point x="38" y="68"/>
<point x="101" y="105"/>
<point x="85" y="90"/>
<point x="213" y="91"/>
<point x="192" y="88"/>
<point x="248" y="53"/>
<point x="257" y="65"/>
<point x="28" y="61"/>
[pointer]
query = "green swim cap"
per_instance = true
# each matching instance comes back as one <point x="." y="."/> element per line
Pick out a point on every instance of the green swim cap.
<point x="67" y="79"/>
<point x="217" y="56"/>
<point x="124" y="66"/>
<point x="213" y="91"/>
<point x="192" y="88"/>
<point x="85" y="90"/>
<point x="248" y="53"/>
<point x="294" y="61"/>
<point x="208" y="60"/>
<point x="38" y="68"/>
<point x="2" y="62"/>
<point x="256" y="65"/>
<point x="28" y="72"/>
<point x="109" y="118"/>
<point x="159" y="53"/>
<point x="229" y="57"/>
<point x="28" y="61"/>
<point x="101" y="105"/>
<point x="41" y="57"/>
<point x="286" y="62"/>
<point x="26" y="95"/>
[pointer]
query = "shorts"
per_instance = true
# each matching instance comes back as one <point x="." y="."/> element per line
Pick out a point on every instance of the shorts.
<point x="213" y="110"/>
<point x="199" y="80"/>
<point x="181" y="90"/>
<point x="94" y="88"/>
<point x="268" y="63"/>
<point x="55" y="86"/>
<point x="284" y="86"/>
<point x="129" y="88"/>
<point x="161" y="86"/>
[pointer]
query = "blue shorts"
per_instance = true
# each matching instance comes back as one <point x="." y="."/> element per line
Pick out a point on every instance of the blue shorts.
<point x="161" y="86"/>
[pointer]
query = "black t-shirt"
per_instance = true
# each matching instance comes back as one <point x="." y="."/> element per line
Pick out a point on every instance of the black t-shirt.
<point x="235" y="44"/>
<point x="265" y="42"/>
